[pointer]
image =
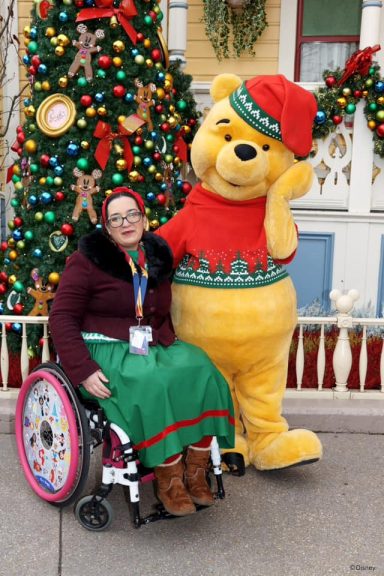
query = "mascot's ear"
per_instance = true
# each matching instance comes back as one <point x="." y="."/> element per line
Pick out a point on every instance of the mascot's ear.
<point x="223" y="85"/>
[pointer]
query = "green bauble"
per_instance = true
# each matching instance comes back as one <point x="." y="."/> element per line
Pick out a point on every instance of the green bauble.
<point x="49" y="217"/>
<point x="82" y="164"/>
<point x="117" y="179"/>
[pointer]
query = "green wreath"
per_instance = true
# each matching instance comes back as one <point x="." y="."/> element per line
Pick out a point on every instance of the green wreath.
<point x="360" y="79"/>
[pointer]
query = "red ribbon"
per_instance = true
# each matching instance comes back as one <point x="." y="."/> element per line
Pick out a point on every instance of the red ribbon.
<point x="359" y="63"/>
<point x="104" y="147"/>
<point x="183" y="148"/>
<point x="105" y="9"/>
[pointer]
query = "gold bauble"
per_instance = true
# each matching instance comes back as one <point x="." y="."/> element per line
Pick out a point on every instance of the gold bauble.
<point x="371" y="124"/>
<point x="46" y="86"/>
<point x="172" y="109"/>
<point x="365" y="93"/>
<point x="167" y="86"/>
<point x="27" y="31"/>
<point x="16" y="169"/>
<point x="121" y="119"/>
<point x="342" y="102"/>
<point x="63" y="82"/>
<point x="148" y="211"/>
<point x="160" y="93"/>
<point x="11" y="242"/>
<point x="151" y="169"/>
<point x="149" y="63"/>
<point x="172" y="121"/>
<point x="177" y="161"/>
<point x="121" y="164"/>
<point x="30" y="146"/>
<point x="347" y="91"/>
<point x="19" y="186"/>
<point x="63" y="40"/>
<point x="12" y="255"/>
<point x="154" y="224"/>
<point x="102" y="111"/>
<point x="90" y="112"/>
<point x="186" y="129"/>
<point x="147" y="43"/>
<point x="134" y="176"/>
<point x="380" y="100"/>
<point x="12" y="279"/>
<point x="108" y="192"/>
<point x="117" y="61"/>
<point x="84" y="144"/>
<point x="59" y="51"/>
<point x="118" y="46"/>
<point x="168" y="76"/>
<point x="30" y="111"/>
<point x="53" y="41"/>
<point x="136" y="160"/>
<point x="159" y="177"/>
<point x="54" y="278"/>
<point x="50" y="32"/>
<point x="42" y="181"/>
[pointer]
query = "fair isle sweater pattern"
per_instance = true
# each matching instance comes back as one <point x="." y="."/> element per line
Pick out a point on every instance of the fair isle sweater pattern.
<point x="198" y="272"/>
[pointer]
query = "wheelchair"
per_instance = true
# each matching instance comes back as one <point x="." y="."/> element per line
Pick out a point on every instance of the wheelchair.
<point x="56" y="433"/>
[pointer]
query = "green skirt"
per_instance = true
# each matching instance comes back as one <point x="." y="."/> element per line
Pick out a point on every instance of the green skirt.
<point x="166" y="400"/>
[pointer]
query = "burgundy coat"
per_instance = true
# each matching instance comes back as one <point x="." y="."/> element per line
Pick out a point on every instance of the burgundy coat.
<point x="95" y="294"/>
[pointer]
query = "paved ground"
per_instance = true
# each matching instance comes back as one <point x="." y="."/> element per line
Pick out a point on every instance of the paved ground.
<point x="321" y="519"/>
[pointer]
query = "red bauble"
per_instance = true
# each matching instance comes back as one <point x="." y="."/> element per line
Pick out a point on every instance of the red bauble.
<point x="67" y="229"/>
<point x="32" y="70"/>
<point x="156" y="55"/>
<point x="337" y="119"/>
<point x="138" y="141"/>
<point x="159" y="108"/>
<point x="165" y="127"/>
<point x="18" y="221"/>
<point x="18" y="308"/>
<point x="186" y="187"/>
<point x="35" y="61"/>
<point x="3" y="289"/>
<point x="192" y="122"/>
<point x="4" y="246"/>
<point x="8" y="326"/>
<point x="79" y="3"/>
<point x="330" y="81"/>
<point x="59" y="196"/>
<point x="140" y="37"/>
<point x="358" y="93"/>
<point x="86" y="100"/>
<point x="153" y="15"/>
<point x="19" y="129"/>
<point x="104" y="62"/>
<point x="380" y="130"/>
<point x="20" y="138"/>
<point x="141" y="179"/>
<point x="175" y="148"/>
<point x="156" y="156"/>
<point x="119" y="91"/>
<point x="182" y="200"/>
<point x="4" y="277"/>
<point x="161" y="199"/>
<point x="44" y="160"/>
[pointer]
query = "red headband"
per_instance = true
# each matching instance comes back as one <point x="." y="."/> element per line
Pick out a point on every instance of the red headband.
<point x="122" y="190"/>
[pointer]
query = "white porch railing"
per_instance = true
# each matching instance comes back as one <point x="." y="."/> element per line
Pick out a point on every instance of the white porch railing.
<point x="341" y="361"/>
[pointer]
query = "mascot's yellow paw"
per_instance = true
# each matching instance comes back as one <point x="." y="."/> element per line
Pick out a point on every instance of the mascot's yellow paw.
<point x="288" y="449"/>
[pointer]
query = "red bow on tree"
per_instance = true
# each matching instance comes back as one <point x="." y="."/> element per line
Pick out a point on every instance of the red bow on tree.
<point x="105" y="9"/>
<point x="103" y="150"/>
<point x="359" y="63"/>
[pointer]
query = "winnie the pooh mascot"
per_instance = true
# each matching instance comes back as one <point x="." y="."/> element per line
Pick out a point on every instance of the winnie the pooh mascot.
<point x="231" y="294"/>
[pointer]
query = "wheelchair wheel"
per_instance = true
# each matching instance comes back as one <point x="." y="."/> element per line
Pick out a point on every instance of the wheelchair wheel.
<point x="94" y="513"/>
<point x="52" y="435"/>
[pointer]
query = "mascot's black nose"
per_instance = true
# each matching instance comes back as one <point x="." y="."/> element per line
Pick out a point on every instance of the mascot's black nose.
<point x="245" y="152"/>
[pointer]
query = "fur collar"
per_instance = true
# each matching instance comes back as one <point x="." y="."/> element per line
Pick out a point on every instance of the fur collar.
<point x="97" y="247"/>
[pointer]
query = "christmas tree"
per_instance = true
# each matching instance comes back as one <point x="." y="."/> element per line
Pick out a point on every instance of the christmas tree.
<point x="105" y="109"/>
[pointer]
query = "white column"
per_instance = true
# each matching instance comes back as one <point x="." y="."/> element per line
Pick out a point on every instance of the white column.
<point x="177" y="30"/>
<point x="362" y="152"/>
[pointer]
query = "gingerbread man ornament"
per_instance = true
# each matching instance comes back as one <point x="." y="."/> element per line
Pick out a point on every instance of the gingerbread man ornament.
<point x="86" y="45"/>
<point x="42" y="293"/>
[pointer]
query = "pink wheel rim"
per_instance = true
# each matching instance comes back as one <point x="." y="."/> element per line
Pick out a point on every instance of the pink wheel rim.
<point x="20" y="426"/>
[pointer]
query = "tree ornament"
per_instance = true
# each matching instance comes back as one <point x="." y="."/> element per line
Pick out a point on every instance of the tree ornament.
<point x="42" y="294"/>
<point x="337" y="119"/>
<point x="104" y="62"/>
<point x="350" y="108"/>
<point x="86" y="45"/>
<point x="380" y="130"/>
<point x="85" y="188"/>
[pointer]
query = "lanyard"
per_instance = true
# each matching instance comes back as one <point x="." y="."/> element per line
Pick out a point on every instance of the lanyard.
<point x="140" y="282"/>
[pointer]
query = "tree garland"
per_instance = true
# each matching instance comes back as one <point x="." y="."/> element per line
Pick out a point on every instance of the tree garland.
<point x="343" y="90"/>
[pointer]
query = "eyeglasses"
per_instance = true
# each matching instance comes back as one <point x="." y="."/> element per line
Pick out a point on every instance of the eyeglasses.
<point x="132" y="217"/>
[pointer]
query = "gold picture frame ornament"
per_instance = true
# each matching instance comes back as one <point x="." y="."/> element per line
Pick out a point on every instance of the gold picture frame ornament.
<point x="55" y="115"/>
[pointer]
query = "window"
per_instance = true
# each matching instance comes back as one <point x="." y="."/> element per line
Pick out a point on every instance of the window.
<point x="327" y="34"/>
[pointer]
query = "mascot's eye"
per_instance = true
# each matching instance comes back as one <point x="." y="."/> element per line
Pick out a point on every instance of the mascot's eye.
<point x="266" y="147"/>
<point x="228" y="137"/>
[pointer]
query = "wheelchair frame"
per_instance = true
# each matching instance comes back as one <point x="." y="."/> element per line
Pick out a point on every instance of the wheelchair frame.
<point x="77" y="427"/>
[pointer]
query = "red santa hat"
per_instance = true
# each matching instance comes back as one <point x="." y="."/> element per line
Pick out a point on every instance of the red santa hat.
<point x="278" y="108"/>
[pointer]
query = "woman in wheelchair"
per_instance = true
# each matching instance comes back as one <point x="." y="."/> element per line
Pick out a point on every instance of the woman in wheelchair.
<point x="112" y="330"/>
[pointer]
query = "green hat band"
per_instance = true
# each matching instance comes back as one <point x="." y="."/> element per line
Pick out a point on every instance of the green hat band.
<point x="244" y="105"/>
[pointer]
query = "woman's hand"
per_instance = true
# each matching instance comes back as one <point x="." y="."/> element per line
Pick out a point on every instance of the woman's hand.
<point x="94" y="385"/>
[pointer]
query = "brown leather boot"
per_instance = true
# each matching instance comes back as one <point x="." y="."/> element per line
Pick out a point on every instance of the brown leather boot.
<point x="195" y="476"/>
<point x="171" y="490"/>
